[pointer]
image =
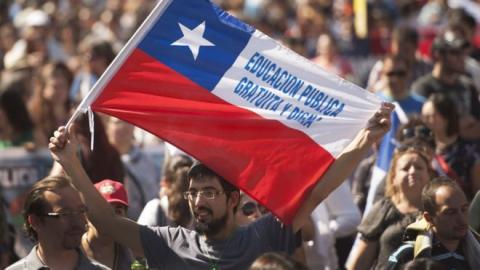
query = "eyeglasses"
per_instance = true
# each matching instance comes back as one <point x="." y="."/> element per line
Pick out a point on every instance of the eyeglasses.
<point x="249" y="208"/>
<point x="397" y="73"/>
<point x="207" y="194"/>
<point x="418" y="131"/>
<point x="67" y="214"/>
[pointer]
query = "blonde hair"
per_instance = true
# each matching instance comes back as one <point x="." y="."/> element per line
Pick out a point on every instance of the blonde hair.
<point x="390" y="188"/>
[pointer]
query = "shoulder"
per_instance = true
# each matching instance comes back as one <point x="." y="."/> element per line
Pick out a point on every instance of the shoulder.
<point x="268" y="226"/>
<point x="168" y="234"/>
<point x="268" y="220"/>
<point x="382" y="206"/>
<point x="423" y="84"/>
<point x="86" y="264"/>
<point x="412" y="103"/>
<point x="466" y="148"/>
<point x="377" y="219"/>
<point x="416" y="99"/>
<point x="31" y="261"/>
<point x="19" y="265"/>
<point x="270" y="234"/>
<point x="164" y="246"/>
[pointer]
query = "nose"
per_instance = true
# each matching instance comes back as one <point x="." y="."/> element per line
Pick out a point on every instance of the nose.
<point x="462" y="218"/>
<point x="412" y="169"/>
<point x="198" y="199"/>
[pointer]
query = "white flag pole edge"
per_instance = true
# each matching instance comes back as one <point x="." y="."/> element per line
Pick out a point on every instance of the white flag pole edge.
<point x="119" y="60"/>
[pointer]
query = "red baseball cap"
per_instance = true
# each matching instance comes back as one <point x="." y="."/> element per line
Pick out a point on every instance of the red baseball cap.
<point x="112" y="191"/>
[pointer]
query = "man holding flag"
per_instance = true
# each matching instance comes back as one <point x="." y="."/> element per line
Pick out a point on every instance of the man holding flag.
<point x="225" y="246"/>
<point x="196" y="76"/>
<point x="258" y="116"/>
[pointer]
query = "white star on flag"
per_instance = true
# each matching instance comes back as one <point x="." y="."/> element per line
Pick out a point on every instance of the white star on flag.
<point x="193" y="38"/>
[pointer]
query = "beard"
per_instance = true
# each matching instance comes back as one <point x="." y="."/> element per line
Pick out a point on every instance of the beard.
<point x="210" y="227"/>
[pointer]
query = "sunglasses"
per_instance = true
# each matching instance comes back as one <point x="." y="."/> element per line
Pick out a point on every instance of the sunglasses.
<point x="397" y="73"/>
<point x="418" y="131"/>
<point x="67" y="214"/>
<point x="250" y="208"/>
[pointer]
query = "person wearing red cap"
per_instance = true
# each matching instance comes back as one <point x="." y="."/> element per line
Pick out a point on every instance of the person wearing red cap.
<point x="216" y="241"/>
<point x="103" y="248"/>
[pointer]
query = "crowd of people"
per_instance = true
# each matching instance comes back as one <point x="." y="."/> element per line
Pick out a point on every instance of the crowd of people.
<point x="404" y="195"/>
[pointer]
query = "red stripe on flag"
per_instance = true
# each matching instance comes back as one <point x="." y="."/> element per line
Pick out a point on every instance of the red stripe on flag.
<point x="270" y="161"/>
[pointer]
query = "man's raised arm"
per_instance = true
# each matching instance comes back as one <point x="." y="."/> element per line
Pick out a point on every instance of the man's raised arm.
<point x="124" y="231"/>
<point x="345" y="163"/>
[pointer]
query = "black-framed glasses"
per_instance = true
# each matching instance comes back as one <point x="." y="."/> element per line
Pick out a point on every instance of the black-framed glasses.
<point x="67" y="214"/>
<point x="207" y="194"/>
<point x="250" y="208"/>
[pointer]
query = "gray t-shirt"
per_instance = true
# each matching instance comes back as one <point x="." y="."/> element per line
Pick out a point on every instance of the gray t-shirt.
<point x="180" y="248"/>
<point x="32" y="262"/>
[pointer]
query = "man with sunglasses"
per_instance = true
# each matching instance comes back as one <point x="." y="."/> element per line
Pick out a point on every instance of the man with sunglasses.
<point x="55" y="218"/>
<point x="217" y="242"/>
<point x="249" y="210"/>
<point x="394" y="75"/>
<point x="450" y="77"/>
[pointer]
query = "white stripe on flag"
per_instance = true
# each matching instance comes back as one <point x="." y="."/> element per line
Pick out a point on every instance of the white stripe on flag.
<point x="359" y="104"/>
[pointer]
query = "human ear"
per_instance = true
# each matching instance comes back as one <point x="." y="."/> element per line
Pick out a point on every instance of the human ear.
<point x="234" y="198"/>
<point x="428" y="217"/>
<point x="34" y="221"/>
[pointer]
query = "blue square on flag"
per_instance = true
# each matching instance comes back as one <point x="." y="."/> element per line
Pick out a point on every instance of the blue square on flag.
<point x="214" y="38"/>
<point x="266" y="119"/>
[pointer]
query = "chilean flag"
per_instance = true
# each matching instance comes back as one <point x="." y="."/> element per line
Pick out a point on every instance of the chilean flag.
<point x="266" y="119"/>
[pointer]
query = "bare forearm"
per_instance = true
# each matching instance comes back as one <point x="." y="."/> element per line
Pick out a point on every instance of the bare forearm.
<point x="342" y="168"/>
<point x="100" y="213"/>
<point x="122" y="230"/>
<point x="337" y="173"/>
<point x="362" y="255"/>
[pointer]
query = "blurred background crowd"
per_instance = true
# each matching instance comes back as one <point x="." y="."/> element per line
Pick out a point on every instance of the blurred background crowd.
<point x="422" y="54"/>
